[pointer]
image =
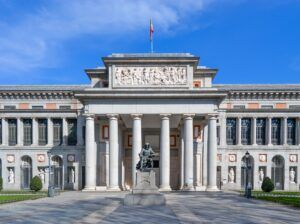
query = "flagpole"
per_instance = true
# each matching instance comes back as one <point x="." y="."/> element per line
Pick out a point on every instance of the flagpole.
<point x="152" y="45"/>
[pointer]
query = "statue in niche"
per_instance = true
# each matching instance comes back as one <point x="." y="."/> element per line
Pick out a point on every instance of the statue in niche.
<point x="11" y="176"/>
<point x="72" y="175"/>
<point x="292" y="175"/>
<point x="146" y="158"/>
<point x="231" y="175"/>
<point x="261" y="175"/>
<point x="42" y="174"/>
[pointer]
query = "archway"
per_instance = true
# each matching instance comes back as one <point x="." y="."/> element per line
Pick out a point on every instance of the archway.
<point x="57" y="177"/>
<point x="251" y="172"/>
<point x="26" y="172"/>
<point x="278" y="172"/>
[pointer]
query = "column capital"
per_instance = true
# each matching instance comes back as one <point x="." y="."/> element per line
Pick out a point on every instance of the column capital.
<point x="136" y="116"/>
<point x="165" y="116"/>
<point x="89" y="116"/>
<point x="112" y="116"/>
<point x="212" y="116"/>
<point x="188" y="116"/>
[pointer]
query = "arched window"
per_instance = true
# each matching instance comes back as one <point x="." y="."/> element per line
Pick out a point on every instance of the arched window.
<point x="278" y="172"/>
<point x="26" y="172"/>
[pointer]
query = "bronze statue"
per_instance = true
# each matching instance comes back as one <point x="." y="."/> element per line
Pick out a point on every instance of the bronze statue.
<point x="146" y="161"/>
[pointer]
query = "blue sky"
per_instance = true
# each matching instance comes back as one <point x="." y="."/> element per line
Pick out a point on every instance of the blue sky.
<point x="53" y="41"/>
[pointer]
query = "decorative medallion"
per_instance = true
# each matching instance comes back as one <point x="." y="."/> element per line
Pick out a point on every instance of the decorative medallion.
<point x="71" y="158"/>
<point x="232" y="157"/>
<point x="150" y="76"/>
<point x="263" y="158"/>
<point x="10" y="158"/>
<point x="293" y="158"/>
<point x="41" y="158"/>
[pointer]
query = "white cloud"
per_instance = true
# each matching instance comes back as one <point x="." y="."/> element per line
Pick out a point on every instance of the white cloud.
<point x="36" y="39"/>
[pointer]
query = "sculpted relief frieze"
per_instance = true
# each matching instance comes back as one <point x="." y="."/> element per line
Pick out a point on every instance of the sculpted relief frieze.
<point x="150" y="76"/>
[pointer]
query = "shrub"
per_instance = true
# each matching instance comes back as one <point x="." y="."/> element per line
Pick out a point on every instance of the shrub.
<point x="267" y="185"/>
<point x="36" y="184"/>
<point x="1" y="184"/>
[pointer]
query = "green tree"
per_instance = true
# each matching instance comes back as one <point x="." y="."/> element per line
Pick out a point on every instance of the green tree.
<point x="36" y="184"/>
<point x="267" y="185"/>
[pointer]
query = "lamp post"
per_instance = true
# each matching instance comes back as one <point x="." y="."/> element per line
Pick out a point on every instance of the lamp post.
<point x="247" y="168"/>
<point x="50" y="187"/>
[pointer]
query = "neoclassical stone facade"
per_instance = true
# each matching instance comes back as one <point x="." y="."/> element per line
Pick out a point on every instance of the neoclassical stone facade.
<point x="199" y="130"/>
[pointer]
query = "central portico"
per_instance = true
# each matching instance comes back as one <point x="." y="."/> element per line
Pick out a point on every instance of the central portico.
<point x="139" y="98"/>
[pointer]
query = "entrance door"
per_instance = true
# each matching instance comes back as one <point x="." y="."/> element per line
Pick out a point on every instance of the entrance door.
<point x="26" y="172"/>
<point x="57" y="172"/>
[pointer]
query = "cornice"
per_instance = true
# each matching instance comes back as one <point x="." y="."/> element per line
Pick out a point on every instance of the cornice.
<point x="263" y="95"/>
<point x="37" y="95"/>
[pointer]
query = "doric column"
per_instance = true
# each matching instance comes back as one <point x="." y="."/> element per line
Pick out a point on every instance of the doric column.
<point x="136" y="143"/>
<point x="212" y="154"/>
<point x="188" y="152"/>
<point x="50" y="131"/>
<point x="165" y="152"/>
<point x="269" y="131"/>
<point x="113" y="153"/>
<point x="35" y="132"/>
<point x="181" y="156"/>
<point x="19" y="132"/>
<point x="90" y="154"/>
<point x="239" y="131"/>
<point x="284" y="130"/>
<point x="79" y="130"/>
<point x="254" y="131"/>
<point x="65" y="131"/>
<point x="223" y="124"/>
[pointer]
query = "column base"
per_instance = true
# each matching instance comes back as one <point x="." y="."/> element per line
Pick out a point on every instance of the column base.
<point x="101" y="188"/>
<point x="188" y="188"/>
<point x="165" y="188"/>
<point x="89" y="189"/>
<point x="117" y="188"/>
<point x="200" y="188"/>
<point x="212" y="188"/>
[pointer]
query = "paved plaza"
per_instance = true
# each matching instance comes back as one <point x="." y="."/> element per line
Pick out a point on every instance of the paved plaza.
<point x="198" y="207"/>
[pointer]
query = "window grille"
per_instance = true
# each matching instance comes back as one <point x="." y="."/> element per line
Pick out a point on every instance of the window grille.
<point x="72" y="131"/>
<point x="57" y="131"/>
<point x="12" y="132"/>
<point x="27" y="129"/>
<point x="42" y="126"/>
<point x="246" y="131"/>
<point x="261" y="131"/>
<point x="291" y="131"/>
<point x="276" y="126"/>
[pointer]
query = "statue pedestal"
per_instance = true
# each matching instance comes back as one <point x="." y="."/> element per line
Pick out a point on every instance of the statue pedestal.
<point x="145" y="191"/>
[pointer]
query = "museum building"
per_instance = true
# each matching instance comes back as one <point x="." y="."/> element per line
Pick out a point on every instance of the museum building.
<point x="200" y="131"/>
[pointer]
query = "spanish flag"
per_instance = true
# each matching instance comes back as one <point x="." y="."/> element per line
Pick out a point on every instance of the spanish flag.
<point x="151" y="30"/>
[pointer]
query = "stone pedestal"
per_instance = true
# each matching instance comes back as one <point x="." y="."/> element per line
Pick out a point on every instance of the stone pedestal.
<point x="145" y="192"/>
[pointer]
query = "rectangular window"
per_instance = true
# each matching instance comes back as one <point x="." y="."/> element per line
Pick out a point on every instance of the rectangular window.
<point x="42" y="126"/>
<point x="294" y="106"/>
<point x="246" y="131"/>
<point x="239" y="106"/>
<point x="276" y="127"/>
<point x="72" y="131"/>
<point x="231" y="131"/>
<point x="64" y="107"/>
<point x="83" y="134"/>
<point x="12" y="132"/>
<point x="218" y="135"/>
<point x="0" y="134"/>
<point x="27" y="130"/>
<point x="9" y="107"/>
<point x="267" y="106"/>
<point x="291" y="131"/>
<point x="37" y="107"/>
<point x="261" y="131"/>
<point x="57" y="131"/>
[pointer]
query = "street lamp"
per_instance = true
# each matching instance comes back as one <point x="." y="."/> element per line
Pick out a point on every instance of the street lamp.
<point x="247" y="169"/>
<point x="50" y="187"/>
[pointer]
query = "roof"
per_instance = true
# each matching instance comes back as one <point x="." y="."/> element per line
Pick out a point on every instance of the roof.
<point x="150" y="55"/>
<point x="258" y="87"/>
<point x="42" y="87"/>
